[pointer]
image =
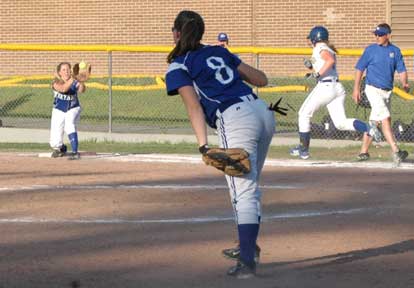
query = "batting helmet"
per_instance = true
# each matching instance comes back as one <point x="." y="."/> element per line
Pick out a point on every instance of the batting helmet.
<point x="317" y="34"/>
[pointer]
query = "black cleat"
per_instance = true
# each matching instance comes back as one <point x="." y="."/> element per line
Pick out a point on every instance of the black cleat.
<point x="74" y="156"/>
<point x="242" y="270"/>
<point x="363" y="157"/>
<point x="234" y="253"/>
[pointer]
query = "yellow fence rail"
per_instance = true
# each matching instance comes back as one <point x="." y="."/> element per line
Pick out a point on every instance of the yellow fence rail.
<point x="166" y="49"/>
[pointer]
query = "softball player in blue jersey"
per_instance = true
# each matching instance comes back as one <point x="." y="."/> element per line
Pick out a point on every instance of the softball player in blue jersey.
<point x="210" y="82"/>
<point x="381" y="60"/>
<point x="328" y="92"/>
<point x="66" y="111"/>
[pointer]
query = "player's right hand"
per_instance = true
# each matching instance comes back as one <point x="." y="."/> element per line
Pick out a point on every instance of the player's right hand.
<point x="356" y="96"/>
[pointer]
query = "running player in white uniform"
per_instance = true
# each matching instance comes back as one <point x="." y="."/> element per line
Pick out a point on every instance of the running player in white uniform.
<point x="210" y="82"/>
<point x="328" y="92"/>
<point x="66" y="111"/>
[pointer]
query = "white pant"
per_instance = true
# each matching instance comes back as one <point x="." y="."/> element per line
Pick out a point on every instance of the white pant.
<point x="63" y="122"/>
<point x="380" y="101"/>
<point x="331" y="94"/>
<point x="249" y="125"/>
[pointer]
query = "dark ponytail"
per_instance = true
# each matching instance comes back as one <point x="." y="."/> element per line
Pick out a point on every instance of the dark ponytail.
<point x="332" y="47"/>
<point x="191" y="28"/>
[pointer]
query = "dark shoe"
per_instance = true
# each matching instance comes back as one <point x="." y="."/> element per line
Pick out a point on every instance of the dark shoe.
<point x="57" y="153"/>
<point x="399" y="156"/>
<point x="299" y="151"/>
<point x="74" y="156"/>
<point x="363" y="157"/>
<point x="242" y="270"/>
<point x="234" y="253"/>
<point x="64" y="149"/>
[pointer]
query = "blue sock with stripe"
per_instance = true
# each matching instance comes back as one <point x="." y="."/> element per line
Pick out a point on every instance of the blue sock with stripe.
<point x="73" y="138"/>
<point x="304" y="138"/>
<point x="247" y="238"/>
<point x="361" y="126"/>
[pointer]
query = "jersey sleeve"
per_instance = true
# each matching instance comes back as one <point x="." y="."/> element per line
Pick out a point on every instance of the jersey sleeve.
<point x="400" y="62"/>
<point x="362" y="63"/>
<point x="177" y="76"/>
<point x="235" y="60"/>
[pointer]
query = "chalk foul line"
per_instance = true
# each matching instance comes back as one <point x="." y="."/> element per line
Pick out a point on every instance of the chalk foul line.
<point x="191" y="220"/>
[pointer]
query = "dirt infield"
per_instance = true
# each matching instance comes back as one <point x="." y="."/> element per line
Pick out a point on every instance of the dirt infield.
<point x="111" y="222"/>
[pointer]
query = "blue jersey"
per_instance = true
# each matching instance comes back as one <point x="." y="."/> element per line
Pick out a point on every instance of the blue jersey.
<point x="212" y="71"/>
<point x="66" y="101"/>
<point x="381" y="62"/>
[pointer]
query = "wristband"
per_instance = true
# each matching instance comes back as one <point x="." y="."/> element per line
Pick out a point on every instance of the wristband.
<point x="203" y="149"/>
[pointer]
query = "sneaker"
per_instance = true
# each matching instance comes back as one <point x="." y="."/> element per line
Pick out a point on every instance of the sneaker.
<point x="234" y="253"/>
<point x="299" y="151"/>
<point x="399" y="156"/>
<point x="304" y="154"/>
<point x="242" y="270"/>
<point x="295" y="151"/>
<point x="74" y="156"/>
<point x="374" y="132"/>
<point x="363" y="157"/>
<point x="57" y="153"/>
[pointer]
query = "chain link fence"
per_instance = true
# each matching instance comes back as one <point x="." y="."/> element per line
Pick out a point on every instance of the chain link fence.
<point x="121" y="98"/>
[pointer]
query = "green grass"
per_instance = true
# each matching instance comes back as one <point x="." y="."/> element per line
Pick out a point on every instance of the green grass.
<point x="276" y="152"/>
<point x="155" y="108"/>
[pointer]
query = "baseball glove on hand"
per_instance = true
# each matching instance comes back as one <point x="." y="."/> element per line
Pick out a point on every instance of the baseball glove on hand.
<point x="232" y="161"/>
<point x="81" y="71"/>
<point x="308" y="63"/>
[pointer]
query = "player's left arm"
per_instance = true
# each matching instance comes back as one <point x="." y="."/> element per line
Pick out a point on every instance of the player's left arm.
<point x="195" y="113"/>
<point x="329" y="62"/>
<point x="402" y="71"/>
<point x="404" y="80"/>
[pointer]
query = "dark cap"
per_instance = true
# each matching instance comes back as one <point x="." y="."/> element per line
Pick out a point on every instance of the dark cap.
<point x="222" y="37"/>
<point x="381" y="31"/>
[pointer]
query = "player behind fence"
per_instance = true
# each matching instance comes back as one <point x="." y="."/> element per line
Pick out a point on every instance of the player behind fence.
<point x="223" y="40"/>
<point x="210" y="82"/>
<point x="328" y="92"/>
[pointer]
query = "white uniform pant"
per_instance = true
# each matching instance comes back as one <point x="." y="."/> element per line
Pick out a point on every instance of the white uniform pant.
<point x="63" y="122"/>
<point x="380" y="101"/>
<point x="249" y="125"/>
<point x="329" y="94"/>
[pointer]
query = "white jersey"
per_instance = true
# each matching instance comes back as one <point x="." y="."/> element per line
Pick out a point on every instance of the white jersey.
<point x="318" y="62"/>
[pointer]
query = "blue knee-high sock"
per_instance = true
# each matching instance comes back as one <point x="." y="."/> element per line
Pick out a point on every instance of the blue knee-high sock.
<point x="361" y="126"/>
<point x="73" y="138"/>
<point x="304" y="138"/>
<point x="247" y="238"/>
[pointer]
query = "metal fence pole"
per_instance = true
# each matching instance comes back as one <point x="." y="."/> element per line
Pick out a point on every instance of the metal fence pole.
<point x="110" y="91"/>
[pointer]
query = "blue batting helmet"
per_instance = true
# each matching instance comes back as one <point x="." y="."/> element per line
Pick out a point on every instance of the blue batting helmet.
<point x="317" y="34"/>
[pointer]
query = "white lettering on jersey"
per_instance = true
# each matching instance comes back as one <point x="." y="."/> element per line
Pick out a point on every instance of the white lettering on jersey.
<point x="212" y="63"/>
<point x="62" y="96"/>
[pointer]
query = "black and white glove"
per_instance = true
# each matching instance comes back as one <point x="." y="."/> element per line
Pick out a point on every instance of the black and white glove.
<point x="307" y="63"/>
<point x="314" y="75"/>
